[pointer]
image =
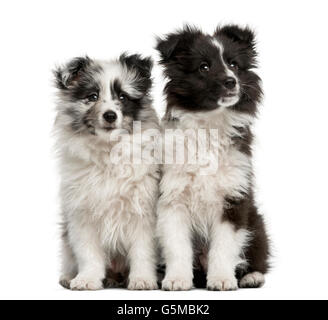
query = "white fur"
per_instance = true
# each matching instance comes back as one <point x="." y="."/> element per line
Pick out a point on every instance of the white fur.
<point x="227" y="101"/>
<point x="224" y="255"/>
<point x="192" y="203"/>
<point x="108" y="209"/>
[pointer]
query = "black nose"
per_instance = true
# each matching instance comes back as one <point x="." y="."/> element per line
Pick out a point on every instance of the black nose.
<point x="230" y="83"/>
<point x="110" y="116"/>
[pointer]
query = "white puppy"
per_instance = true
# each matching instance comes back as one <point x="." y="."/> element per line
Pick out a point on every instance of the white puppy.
<point x="108" y="199"/>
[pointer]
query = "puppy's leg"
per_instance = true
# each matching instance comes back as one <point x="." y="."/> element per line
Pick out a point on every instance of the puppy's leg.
<point x="244" y="214"/>
<point x="226" y="245"/>
<point x="257" y="253"/>
<point x="69" y="265"/>
<point x="174" y="229"/>
<point x="89" y="255"/>
<point x="142" y="260"/>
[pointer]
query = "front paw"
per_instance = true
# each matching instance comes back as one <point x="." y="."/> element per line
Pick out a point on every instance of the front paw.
<point x="65" y="281"/>
<point x="140" y="283"/>
<point x="177" y="284"/>
<point x="81" y="282"/>
<point x="222" y="283"/>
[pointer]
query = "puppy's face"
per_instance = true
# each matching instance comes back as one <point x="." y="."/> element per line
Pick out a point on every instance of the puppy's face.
<point x="208" y="72"/>
<point x="97" y="97"/>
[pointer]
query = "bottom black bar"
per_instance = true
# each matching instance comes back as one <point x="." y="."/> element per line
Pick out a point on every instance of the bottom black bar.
<point x="155" y="309"/>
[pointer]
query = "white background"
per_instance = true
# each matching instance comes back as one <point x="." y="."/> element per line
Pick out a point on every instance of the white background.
<point x="291" y="149"/>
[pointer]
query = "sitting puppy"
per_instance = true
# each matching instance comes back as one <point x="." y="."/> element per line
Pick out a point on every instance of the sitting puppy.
<point x="108" y="205"/>
<point x="209" y="218"/>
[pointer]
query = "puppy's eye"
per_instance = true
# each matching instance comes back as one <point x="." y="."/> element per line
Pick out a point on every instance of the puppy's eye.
<point x="122" y="97"/>
<point x="93" y="97"/>
<point x="233" y="65"/>
<point x="204" y="67"/>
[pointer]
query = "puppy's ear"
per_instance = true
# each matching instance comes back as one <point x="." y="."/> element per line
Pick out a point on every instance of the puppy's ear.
<point x="237" y="34"/>
<point x="166" y="46"/>
<point x="67" y="75"/>
<point x="143" y="65"/>
<point x="179" y="41"/>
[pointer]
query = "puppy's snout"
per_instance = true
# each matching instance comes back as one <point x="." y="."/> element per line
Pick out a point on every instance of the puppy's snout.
<point x="230" y="83"/>
<point x="110" y="116"/>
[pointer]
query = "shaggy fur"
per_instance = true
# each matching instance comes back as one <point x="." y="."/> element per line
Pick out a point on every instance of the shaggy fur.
<point x="108" y="208"/>
<point x="210" y="221"/>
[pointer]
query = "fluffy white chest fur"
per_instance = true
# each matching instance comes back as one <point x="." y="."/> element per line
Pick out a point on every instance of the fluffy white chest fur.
<point x="218" y="168"/>
<point x="114" y="196"/>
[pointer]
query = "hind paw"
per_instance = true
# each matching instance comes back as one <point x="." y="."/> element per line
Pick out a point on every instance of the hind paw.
<point x="252" y="280"/>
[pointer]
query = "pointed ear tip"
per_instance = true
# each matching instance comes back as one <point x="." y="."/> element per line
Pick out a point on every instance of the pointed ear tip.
<point x="251" y="34"/>
<point x="58" y="80"/>
<point x="57" y="71"/>
<point x="245" y="33"/>
<point x="137" y="61"/>
<point x="123" y="55"/>
<point x="158" y="39"/>
<point x="147" y="60"/>
<point x="249" y="29"/>
<point x="150" y="62"/>
<point x="159" y="43"/>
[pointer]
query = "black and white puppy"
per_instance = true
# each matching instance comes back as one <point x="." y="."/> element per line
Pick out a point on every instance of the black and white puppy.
<point x="210" y="221"/>
<point x="108" y="205"/>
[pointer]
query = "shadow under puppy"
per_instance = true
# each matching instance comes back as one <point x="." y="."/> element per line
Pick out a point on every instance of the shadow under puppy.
<point x="210" y="221"/>
<point x="107" y="201"/>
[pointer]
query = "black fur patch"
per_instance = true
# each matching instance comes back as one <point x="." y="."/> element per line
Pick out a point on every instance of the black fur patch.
<point x="130" y="106"/>
<point x="243" y="213"/>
